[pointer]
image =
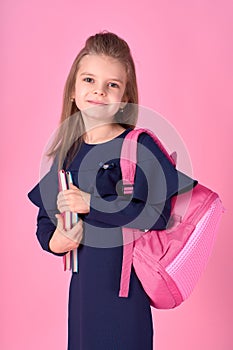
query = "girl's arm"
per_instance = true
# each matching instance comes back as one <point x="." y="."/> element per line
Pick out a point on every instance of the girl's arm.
<point x="50" y="233"/>
<point x="114" y="211"/>
<point x="132" y="213"/>
<point x="149" y="206"/>
<point x="53" y="238"/>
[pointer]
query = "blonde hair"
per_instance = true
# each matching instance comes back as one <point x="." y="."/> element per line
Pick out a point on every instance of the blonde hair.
<point x="69" y="136"/>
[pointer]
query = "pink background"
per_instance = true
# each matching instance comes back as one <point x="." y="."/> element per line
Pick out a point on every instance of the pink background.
<point x="183" y="52"/>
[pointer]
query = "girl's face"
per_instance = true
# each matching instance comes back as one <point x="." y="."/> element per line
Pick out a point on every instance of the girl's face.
<point x="100" y="86"/>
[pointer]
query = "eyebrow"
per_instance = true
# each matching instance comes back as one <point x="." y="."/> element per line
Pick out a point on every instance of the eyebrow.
<point x="92" y="75"/>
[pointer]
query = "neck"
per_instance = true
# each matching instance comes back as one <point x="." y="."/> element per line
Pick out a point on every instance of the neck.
<point x="103" y="133"/>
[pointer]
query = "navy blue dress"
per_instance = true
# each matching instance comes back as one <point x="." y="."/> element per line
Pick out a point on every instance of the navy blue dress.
<point x="98" y="317"/>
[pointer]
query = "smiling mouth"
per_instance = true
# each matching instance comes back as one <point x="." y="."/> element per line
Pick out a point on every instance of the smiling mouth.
<point x="98" y="103"/>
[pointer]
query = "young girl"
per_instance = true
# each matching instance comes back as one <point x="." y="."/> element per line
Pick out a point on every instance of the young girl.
<point x="99" y="110"/>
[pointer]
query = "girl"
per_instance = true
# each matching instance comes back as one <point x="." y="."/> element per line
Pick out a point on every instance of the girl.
<point x="99" y="109"/>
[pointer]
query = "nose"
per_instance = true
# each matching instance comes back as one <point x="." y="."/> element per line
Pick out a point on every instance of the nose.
<point x="99" y="91"/>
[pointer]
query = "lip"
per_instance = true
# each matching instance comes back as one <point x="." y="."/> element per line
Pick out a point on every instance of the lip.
<point x="97" y="102"/>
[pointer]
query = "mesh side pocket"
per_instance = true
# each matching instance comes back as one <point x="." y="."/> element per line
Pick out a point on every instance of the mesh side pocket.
<point x="188" y="265"/>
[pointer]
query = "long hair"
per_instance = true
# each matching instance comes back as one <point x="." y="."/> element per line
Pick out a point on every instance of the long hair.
<point x="69" y="136"/>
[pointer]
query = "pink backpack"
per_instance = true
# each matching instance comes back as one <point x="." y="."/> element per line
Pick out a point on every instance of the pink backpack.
<point x="169" y="262"/>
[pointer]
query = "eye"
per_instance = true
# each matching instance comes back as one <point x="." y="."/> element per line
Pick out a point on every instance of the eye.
<point x="114" y="85"/>
<point x="88" y="80"/>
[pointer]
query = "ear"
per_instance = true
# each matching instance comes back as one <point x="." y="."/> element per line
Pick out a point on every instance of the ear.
<point x="123" y="104"/>
<point x="72" y="95"/>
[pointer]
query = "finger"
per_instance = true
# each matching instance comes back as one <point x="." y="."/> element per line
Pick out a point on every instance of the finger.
<point x="64" y="199"/>
<point x="76" y="233"/>
<point x="62" y="205"/>
<point x="58" y="217"/>
<point x="73" y="187"/>
<point x="60" y="222"/>
<point x="62" y="195"/>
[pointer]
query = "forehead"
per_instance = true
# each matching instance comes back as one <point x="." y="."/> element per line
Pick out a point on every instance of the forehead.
<point x="102" y="65"/>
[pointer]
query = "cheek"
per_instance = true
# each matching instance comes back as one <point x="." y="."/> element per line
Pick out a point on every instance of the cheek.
<point x="122" y="93"/>
<point x="117" y="95"/>
<point x="79" y="99"/>
<point x="79" y="92"/>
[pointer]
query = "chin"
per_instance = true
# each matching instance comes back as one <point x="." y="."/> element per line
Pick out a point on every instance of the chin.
<point x="101" y="112"/>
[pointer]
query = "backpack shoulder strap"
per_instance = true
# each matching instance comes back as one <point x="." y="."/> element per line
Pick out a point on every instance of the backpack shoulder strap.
<point x="128" y="163"/>
<point x="128" y="159"/>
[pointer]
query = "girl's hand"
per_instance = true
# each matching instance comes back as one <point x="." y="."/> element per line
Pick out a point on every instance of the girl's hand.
<point x="74" y="200"/>
<point x="65" y="240"/>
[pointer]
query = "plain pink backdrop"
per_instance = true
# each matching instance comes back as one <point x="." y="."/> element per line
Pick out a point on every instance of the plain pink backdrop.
<point x="183" y="52"/>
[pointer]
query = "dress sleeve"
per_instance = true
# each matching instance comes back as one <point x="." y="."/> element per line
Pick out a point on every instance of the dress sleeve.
<point x="45" y="230"/>
<point x="149" y="207"/>
<point x="44" y="195"/>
